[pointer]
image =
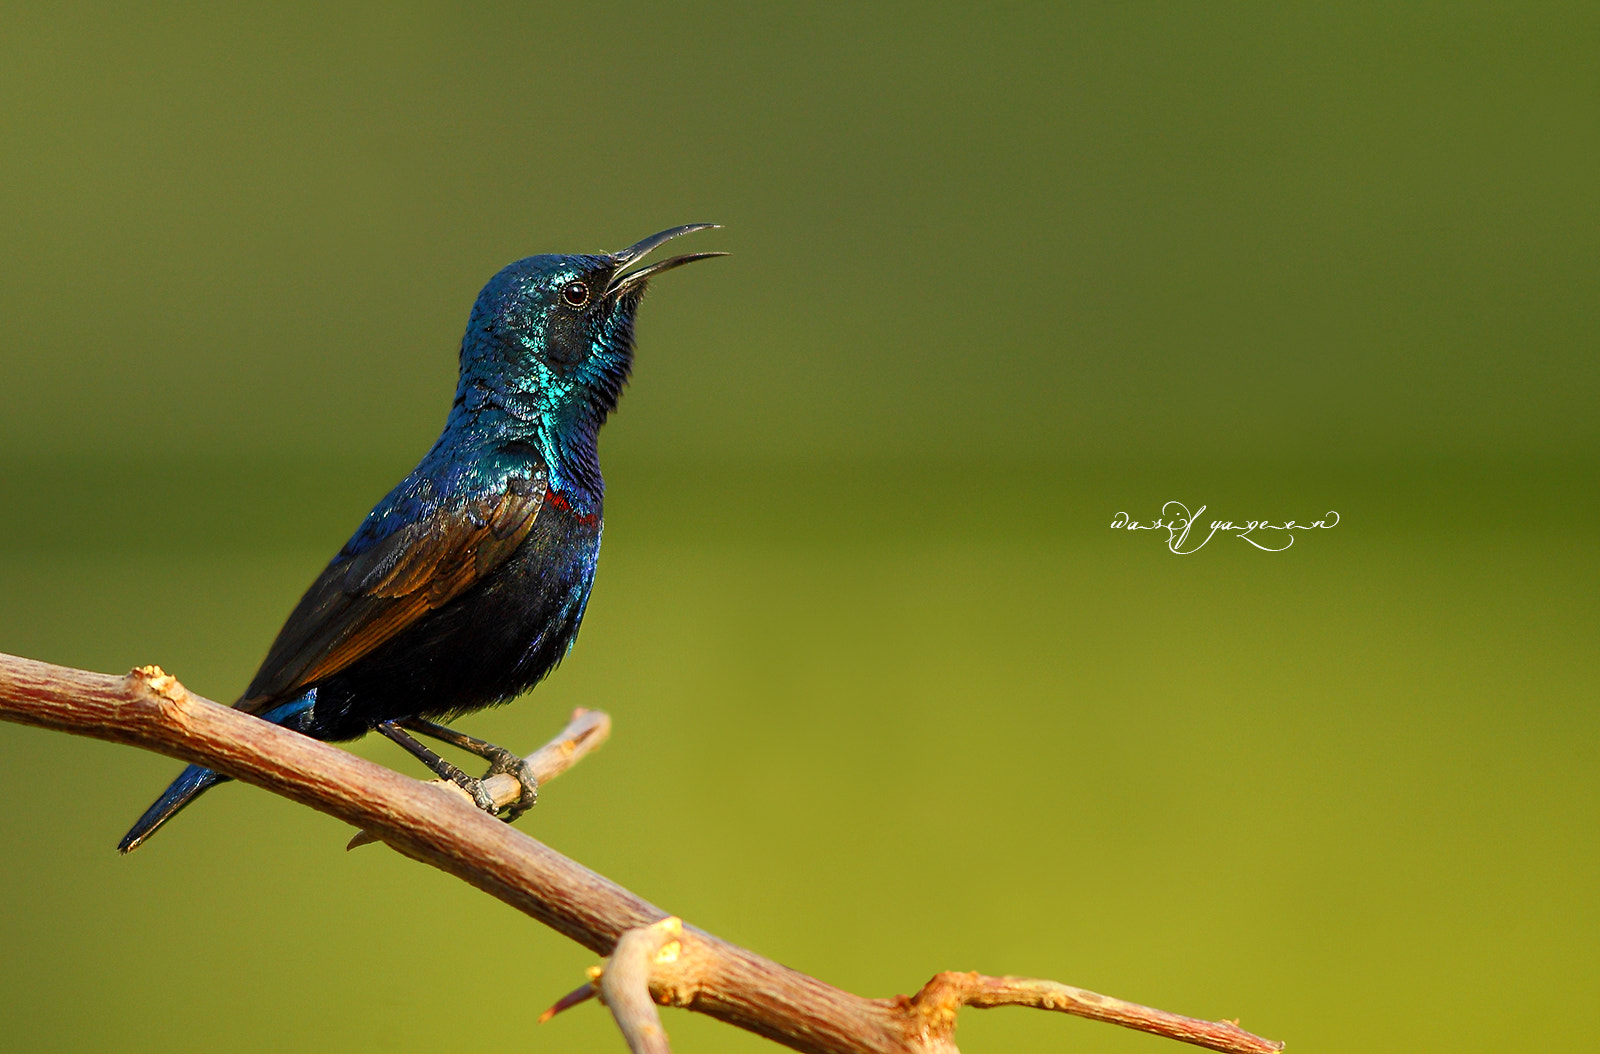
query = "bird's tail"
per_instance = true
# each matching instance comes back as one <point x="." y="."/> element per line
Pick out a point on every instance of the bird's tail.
<point x="185" y="789"/>
<point x="195" y="781"/>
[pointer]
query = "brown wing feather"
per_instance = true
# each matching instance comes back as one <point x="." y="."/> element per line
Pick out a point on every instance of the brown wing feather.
<point x="357" y="605"/>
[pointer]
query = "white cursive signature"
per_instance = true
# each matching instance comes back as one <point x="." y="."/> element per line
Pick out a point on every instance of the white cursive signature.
<point x="1182" y="522"/>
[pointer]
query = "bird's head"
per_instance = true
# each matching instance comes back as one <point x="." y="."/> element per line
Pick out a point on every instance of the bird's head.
<point x="550" y="340"/>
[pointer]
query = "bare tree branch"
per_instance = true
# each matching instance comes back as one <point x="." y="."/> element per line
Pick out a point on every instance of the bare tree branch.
<point x="150" y="709"/>
<point x="949" y="991"/>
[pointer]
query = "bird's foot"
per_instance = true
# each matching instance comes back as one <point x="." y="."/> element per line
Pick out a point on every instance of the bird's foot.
<point x="441" y="767"/>
<point x="503" y="761"/>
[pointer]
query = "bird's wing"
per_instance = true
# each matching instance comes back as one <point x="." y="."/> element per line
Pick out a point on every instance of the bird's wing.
<point x="364" y="599"/>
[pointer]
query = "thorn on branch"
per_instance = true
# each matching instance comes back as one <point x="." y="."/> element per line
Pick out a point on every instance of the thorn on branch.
<point x="573" y="998"/>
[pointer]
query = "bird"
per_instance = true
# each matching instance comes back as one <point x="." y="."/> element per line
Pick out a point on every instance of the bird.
<point x="467" y="583"/>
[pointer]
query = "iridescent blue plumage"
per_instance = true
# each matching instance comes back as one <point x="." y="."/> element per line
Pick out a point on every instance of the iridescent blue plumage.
<point x="468" y="582"/>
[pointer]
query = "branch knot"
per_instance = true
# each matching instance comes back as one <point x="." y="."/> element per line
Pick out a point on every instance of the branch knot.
<point x="932" y="1010"/>
<point x="172" y="700"/>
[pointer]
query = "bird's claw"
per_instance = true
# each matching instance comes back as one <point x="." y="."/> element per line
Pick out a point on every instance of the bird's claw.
<point x="474" y="788"/>
<point x="482" y="799"/>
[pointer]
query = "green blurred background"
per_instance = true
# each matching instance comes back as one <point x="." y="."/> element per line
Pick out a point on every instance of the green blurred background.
<point x="890" y="697"/>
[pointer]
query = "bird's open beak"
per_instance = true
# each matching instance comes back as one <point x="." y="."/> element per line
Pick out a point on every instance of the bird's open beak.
<point x="634" y="253"/>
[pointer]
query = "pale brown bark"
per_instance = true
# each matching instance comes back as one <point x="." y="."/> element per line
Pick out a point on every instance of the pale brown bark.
<point x="680" y="965"/>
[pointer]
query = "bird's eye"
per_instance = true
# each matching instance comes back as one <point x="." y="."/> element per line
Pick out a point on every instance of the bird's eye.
<point x="575" y="294"/>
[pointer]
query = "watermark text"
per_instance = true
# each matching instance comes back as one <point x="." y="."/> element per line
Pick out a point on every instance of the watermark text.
<point x="1180" y="524"/>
